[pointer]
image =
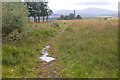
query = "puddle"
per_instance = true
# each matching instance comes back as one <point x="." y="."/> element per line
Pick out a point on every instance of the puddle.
<point x="45" y="57"/>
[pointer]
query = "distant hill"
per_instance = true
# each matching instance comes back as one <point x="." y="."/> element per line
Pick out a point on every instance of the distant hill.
<point x="88" y="12"/>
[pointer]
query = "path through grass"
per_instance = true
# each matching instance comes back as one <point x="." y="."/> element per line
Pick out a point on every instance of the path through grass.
<point x="83" y="49"/>
<point x="87" y="49"/>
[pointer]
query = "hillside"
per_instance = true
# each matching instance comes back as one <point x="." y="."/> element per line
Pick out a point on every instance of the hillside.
<point x="88" y="12"/>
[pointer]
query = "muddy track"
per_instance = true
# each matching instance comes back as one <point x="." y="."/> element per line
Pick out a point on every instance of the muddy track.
<point x="51" y="69"/>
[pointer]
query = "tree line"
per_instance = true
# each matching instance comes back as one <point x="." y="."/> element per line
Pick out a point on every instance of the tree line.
<point x="71" y="16"/>
<point x="38" y="10"/>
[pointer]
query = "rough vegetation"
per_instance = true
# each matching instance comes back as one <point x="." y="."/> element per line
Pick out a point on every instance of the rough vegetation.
<point x="89" y="49"/>
<point x="82" y="48"/>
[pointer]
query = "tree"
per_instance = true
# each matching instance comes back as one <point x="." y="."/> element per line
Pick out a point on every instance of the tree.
<point x="49" y="12"/>
<point x="31" y="6"/>
<point x="39" y="9"/>
<point x="78" y="17"/>
<point x="43" y="10"/>
<point x="71" y="16"/>
<point x="66" y="17"/>
<point x="61" y="17"/>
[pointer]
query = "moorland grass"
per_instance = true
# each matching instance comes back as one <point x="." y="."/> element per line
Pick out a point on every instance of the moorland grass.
<point x="89" y="49"/>
<point x="19" y="58"/>
<point x="86" y="49"/>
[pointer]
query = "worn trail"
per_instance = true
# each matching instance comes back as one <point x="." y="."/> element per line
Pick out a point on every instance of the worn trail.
<point x="48" y="59"/>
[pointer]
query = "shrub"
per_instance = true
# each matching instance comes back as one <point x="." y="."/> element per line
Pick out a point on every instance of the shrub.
<point x="14" y="17"/>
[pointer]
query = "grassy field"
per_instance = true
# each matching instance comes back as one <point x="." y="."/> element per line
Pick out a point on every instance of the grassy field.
<point x="82" y="48"/>
<point x="89" y="49"/>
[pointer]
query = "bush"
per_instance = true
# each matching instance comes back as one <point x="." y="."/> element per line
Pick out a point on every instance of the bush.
<point x="14" y="17"/>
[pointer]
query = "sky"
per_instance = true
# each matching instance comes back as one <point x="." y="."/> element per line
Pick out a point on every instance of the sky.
<point x="82" y="4"/>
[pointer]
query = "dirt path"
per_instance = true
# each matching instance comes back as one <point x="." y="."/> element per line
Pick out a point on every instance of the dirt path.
<point x="51" y="69"/>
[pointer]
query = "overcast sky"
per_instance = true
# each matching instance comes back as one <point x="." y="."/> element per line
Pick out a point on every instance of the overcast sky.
<point x="82" y="4"/>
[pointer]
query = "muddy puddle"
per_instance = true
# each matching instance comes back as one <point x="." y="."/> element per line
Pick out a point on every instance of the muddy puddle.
<point x="45" y="57"/>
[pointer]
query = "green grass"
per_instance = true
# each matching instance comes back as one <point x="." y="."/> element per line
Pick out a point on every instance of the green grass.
<point x="20" y="58"/>
<point x="87" y="48"/>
